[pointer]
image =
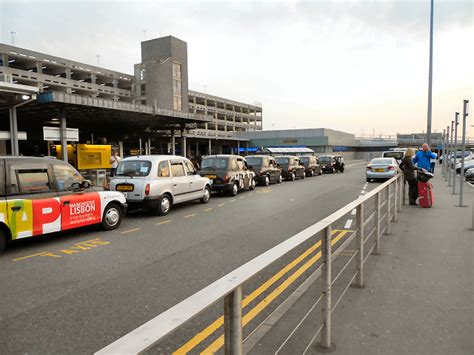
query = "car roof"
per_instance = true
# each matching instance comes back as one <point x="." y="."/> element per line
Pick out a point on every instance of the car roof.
<point x="222" y="156"/>
<point x="260" y="156"/>
<point x="286" y="156"/>
<point x="26" y="159"/>
<point x="154" y="157"/>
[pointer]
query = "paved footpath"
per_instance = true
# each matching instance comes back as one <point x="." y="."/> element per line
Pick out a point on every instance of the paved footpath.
<point x="419" y="294"/>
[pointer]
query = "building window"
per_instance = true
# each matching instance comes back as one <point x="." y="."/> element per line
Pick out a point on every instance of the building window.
<point x="177" y="92"/>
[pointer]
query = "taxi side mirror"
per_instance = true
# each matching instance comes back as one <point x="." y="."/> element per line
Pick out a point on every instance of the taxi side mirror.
<point x="86" y="184"/>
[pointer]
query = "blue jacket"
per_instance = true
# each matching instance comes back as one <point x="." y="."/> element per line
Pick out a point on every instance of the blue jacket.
<point x="422" y="159"/>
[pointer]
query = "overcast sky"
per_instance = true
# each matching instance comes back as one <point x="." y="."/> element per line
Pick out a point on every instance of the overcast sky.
<point x="357" y="66"/>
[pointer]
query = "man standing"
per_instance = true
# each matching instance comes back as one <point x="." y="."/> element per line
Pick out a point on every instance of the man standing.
<point x="114" y="161"/>
<point x="410" y="177"/>
<point x="423" y="158"/>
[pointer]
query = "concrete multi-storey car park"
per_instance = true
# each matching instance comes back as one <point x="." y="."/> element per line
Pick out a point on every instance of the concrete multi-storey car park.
<point x="152" y="109"/>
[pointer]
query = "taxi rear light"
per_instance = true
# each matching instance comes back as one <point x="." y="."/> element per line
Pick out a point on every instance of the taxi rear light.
<point x="369" y="168"/>
<point x="147" y="189"/>
<point x="390" y="168"/>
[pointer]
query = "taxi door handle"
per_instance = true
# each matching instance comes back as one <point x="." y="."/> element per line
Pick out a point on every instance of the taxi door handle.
<point x="16" y="208"/>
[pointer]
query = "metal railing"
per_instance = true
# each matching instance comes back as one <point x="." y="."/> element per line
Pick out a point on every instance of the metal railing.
<point x="229" y="287"/>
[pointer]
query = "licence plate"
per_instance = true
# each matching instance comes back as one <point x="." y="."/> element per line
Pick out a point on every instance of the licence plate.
<point x="211" y="176"/>
<point x="124" y="188"/>
<point x="379" y="170"/>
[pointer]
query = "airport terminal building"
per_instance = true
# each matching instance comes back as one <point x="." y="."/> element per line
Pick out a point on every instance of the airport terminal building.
<point x="151" y="110"/>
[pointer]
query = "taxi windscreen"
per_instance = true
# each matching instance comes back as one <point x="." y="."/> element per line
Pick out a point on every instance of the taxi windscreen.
<point x="214" y="163"/>
<point x="325" y="159"/>
<point x="254" y="161"/>
<point x="283" y="161"/>
<point x="134" y="168"/>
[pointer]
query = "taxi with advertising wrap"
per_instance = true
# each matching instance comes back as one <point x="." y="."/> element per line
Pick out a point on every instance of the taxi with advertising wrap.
<point x="228" y="173"/>
<point x="44" y="195"/>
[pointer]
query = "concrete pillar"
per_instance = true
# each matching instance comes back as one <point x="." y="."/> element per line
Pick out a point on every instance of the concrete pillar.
<point x="149" y="146"/>
<point x="14" y="131"/>
<point x="173" y="143"/>
<point x="4" y="57"/>
<point x="63" y="134"/>
<point x="209" y="151"/>
<point x="197" y="149"/>
<point x="238" y="147"/>
<point x="220" y="148"/>
<point x="120" y="149"/>
<point x="183" y="143"/>
<point x="93" y="79"/>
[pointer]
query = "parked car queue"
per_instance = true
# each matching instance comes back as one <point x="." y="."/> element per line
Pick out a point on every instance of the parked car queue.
<point x="39" y="196"/>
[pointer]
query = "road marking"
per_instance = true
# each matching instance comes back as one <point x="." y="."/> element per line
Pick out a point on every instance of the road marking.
<point x="348" y="224"/>
<point x="130" y="231"/>
<point x="208" y="209"/>
<point x="241" y="197"/>
<point x="264" y="191"/>
<point x="219" y="342"/>
<point x="164" y="222"/>
<point x="220" y="204"/>
<point x="214" y="326"/>
<point x="190" y="215"/>
<point x="29" y="256"/>
<point x="354" y="212"/>
<point x="250" y="194"/>
<point x="233" y="200"/>
<point x="292" y="199"/>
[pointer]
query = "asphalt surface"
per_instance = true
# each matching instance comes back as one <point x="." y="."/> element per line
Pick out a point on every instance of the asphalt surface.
<point x="76" y="292"/>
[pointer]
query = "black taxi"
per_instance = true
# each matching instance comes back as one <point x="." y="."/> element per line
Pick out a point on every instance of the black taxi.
<point x="291" y="167"/>
<point x="266" y="169"/>
<point x="228" y="173"/>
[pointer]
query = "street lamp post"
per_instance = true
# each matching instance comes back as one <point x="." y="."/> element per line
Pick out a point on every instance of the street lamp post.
<point x="430" y="77"/>
<point x="455" y="153"/>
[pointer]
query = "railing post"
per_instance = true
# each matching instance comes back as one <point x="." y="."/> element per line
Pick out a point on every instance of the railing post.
<point x="404" y="192"/>
<point x="360" y="247"/>
<point x="401" y="195"/>
<point x="387" y="230"/>
<point x="233" y="322"/>
<point x="395" y="202"/>
<point x="326" y="277"/>
<point x="377" y="221"/>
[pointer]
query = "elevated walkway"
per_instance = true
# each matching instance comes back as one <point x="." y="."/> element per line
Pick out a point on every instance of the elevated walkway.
<point x="419" y="291"/>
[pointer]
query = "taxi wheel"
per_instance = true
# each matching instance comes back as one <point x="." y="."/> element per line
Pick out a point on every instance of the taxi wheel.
<point x="267" y="181"/>
<point x="280" y="179"/>
<point x="252" y="184"/>
<point x="164" y="205"/>
<point x="207" y="195"/>
<point x="3" y="240"/>
<point x="293" y="177"/>
<point x="303" y="176"/>
<point x="235" y="189"/>
<point x="112" y="217"/>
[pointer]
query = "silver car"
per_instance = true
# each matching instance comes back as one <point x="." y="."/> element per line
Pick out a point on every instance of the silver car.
<point x="157" y="182"/>
<point x="382" y="168"/>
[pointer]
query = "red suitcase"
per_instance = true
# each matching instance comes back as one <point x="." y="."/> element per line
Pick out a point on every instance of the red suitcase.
<point x="425" y="194"/>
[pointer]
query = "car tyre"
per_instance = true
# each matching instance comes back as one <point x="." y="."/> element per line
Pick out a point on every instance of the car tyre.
<point x="235" y="189"/>
<point x="280" y="179"/>
<point x="112" y="217"/>
<point x="312" y="173"/>
<point x="303" y="176"/>
<point x="252" y="184"/>
<point x="369" y="180"/>
<point x="293" y="177"/>
<point x="207" y="195"/>
<point x="164" y="205"/>
<point x="3" y="240"/>
<point x="266" y="182"/>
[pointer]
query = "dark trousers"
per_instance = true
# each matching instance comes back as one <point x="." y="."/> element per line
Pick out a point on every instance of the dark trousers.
<point x="412" y="191"/>
<point x="113" y="171"/>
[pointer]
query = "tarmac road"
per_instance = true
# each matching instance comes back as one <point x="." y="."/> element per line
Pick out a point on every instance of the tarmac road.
<point x="76" y="292"/>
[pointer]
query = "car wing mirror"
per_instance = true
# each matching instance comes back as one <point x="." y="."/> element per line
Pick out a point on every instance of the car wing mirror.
<point x="86" y="184"/>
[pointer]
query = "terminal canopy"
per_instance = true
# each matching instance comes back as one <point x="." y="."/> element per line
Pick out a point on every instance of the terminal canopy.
<point x="285" y="151"/>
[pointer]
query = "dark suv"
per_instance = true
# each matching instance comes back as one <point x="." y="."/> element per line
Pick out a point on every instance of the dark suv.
<point x="291" y="167"/>
<point x="311" y="165"/>
<point x="228" y="173"/>
<point x="265" y="168"/>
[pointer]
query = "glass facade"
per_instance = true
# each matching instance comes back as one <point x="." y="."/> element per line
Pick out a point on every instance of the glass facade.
<point x="177" y="93"/>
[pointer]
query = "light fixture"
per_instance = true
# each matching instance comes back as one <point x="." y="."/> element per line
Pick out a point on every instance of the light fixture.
<point x="25" y="97"/>
<point x="55" y="119"/>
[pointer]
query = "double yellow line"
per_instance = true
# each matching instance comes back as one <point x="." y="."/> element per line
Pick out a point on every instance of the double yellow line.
<point x="214" y="326"/>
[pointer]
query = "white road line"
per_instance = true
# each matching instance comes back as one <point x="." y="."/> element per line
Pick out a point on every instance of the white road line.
<point x="353" y="212"/>
<point x="348" y="224"/>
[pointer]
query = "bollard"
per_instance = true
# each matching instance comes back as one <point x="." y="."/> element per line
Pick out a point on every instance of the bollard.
<point x="445" y="157"/>
<point x="451" y="175"/>
<point x="233" y="322"/>
<point x="325" y="344"/>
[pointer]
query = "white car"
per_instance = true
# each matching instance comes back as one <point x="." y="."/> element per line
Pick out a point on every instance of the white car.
<point x="157" y="182"/>
<point x="467" y="165"/>
<point x="382" y="168"/>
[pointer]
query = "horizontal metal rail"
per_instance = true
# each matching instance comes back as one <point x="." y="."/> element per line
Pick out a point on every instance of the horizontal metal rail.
<point x="229" y="286"/>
